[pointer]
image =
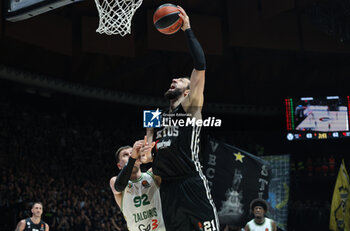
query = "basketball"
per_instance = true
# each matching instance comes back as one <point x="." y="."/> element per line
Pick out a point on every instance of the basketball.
<point x="166" y="19"/>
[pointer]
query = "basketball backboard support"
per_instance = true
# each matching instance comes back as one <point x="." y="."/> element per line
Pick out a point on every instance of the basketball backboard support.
<point x="17" y="10"/>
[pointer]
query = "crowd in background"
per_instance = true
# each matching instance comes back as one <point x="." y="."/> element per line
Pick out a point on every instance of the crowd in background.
<point x="312" y="183"/>
<point x="64" y="157"/>
<point x="308" y="214"/>
<point x="63" y="160"/>
<point x="76" y="204"/>
<point x="314" y="166"/>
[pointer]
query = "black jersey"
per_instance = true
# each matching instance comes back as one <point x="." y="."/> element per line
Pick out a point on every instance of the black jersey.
<point x="177" y="145"/>
<point x="30" y="226"/>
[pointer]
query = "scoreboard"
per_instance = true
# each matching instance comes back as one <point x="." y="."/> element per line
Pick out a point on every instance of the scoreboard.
<point x="318" y="117"/>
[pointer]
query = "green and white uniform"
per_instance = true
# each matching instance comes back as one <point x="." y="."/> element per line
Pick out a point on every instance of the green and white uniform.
<point x="266" y="226"/>
<point x="141" y="204"/>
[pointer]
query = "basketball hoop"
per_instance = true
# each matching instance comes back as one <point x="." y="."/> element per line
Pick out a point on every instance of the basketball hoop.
<point x="116" y="16"/>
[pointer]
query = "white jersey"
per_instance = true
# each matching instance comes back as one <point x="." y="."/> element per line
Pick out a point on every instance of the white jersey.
<point x="141" y="204"/>
<point x="266" y="226"/>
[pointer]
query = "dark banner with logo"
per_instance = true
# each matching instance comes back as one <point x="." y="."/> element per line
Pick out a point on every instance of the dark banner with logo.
<point x="236" y="177"/>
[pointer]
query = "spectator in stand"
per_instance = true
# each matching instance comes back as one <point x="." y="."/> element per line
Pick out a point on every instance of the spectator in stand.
<point x="331" y="161"/>
<point x="309" y="166"/>
<point x="318" y="166"/>
<point x="324" y="166"/>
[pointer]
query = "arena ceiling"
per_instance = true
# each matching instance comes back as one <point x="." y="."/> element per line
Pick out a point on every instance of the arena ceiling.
<point x="258" y="51"/>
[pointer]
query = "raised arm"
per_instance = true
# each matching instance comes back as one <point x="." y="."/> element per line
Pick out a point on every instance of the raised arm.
<point x="118" y="183"/>
<point x="146" y="149"/>
<point x="149" y="135"/>
<point x="124" y="175"/>
<point x="196" y="97"/>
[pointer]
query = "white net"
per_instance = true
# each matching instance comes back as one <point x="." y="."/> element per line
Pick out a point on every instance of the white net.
<point x="116" y="16"/>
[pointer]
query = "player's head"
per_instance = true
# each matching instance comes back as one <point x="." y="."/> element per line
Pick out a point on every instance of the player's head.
<point x="259" y="207"/>
<point x="37" y="209"/>
<point x="178" y="87"/>
<point x="122" y="155"/>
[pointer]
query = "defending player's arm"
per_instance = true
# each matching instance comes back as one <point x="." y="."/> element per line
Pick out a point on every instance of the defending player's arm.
<point x="119" y="183"/>
<point x="195" y="98"/>
<point x="246" y="228"/>
<point x="146" y="155"/>
<point x="117" y="195"/>
<point x="149" y="135"/>
<point x="124" y="175"/>
<point x="21" y="225"/>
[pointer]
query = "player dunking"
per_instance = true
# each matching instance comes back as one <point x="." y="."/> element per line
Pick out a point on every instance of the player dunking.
<point x="34" y="223"/>
<point x="136" y="192"/>
<point x="186" y="199"/>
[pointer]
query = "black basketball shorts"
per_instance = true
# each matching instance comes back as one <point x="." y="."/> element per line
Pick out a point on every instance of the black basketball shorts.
<point x="187" y="205"/>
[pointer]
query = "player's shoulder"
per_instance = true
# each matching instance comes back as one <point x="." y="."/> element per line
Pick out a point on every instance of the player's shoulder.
<point x="156" y="179"/>
<point x="150" y="171"/>
<point x="250" y="222"/>
<point x="22" y="223"/>
<point x="111" y="183"/>
<point x="269" y="219"/>
<point x="43" y="222"/>
<point x="148" y="174"/>
<point x="273" y="225"/>
<point x="112" y="180"/>
<point x="24" y="220"/>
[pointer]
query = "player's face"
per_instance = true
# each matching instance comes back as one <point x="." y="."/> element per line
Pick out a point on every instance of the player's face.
<point x="177" y="88"/>
<point x="37" y="210"/>
<point x="124" y="156"/>
<point x="259" y="212"/>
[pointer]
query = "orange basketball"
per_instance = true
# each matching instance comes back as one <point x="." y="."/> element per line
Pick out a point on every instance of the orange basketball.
<point x="166" y="19"/>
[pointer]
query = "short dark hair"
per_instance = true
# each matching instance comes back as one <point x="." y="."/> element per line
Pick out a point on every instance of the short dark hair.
<point x="188" y="86"/>
<point x="119" y="150"/>
<point x="259" y="202"/>
<point x="37" y="202"/>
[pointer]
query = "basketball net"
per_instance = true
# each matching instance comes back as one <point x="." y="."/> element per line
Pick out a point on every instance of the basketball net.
<point x="116" y="16"/>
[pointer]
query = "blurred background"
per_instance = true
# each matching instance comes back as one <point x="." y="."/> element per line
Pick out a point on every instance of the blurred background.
<point x="69" y="97"/>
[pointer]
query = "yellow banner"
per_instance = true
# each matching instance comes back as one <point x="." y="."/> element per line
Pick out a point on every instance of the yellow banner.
<point x="340" y="208"/>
